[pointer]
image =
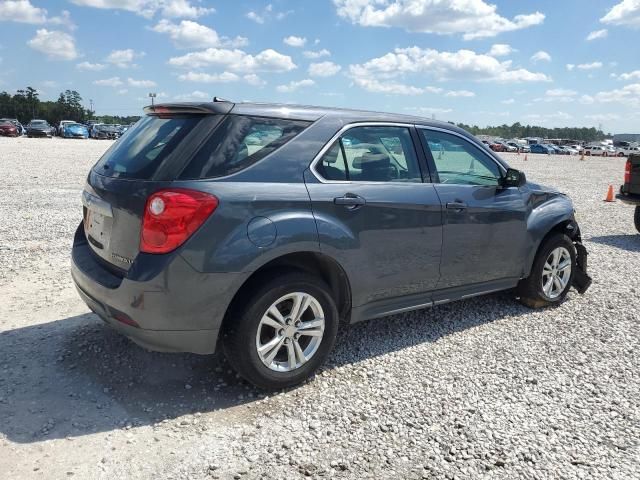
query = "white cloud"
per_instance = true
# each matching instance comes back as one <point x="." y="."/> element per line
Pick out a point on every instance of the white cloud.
<point x="190" y="34"/>
<point x="548" y="117"/>
<point x="603" y="117"/>
<point x="375" y="74"/>
<point x="428" y="110"/>
<point x="323" y="69"/>
<point x="628" y="95"/>
<point x="141" y="83"/>
<point x="148" y="8"/>
<point x="21" y="11"/>
<point x="123" y="91"/>
<point x="540" y="56"/>
<point x="293" y="85"/>
<point x="254" y="80"/>
<point x="626" y="13"/>
<point x="459" y="93"/>
<point x="635" y="75"/>
<point x="560" y="92"/>
<point x="54" y="44"/>
<point x="91" y="67"/>
<point x="266" y="14"/>
<point x="109" y="82"/>
<point x="236" y="60"/>
<point x="195" y="95"/>
<point x="509" y="101"/>
<point x="500" y="50"/>
<point x="294" y="41"/>
<point x="472" y="18"/>
<point x="123" y="58"/>
<point x="586" y="66"/>
<point x="224" y="77"/>
<point x="316" y="54"/>
<point x="597" y="34"/>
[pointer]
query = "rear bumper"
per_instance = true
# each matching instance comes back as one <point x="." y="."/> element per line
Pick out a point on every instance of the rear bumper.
<point x="177" y="310"/>
<point x="38" y="133"/>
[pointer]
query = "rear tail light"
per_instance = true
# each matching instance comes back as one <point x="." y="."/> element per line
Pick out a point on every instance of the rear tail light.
<point x="171" y="216"/>
<point x="627" y="171"/>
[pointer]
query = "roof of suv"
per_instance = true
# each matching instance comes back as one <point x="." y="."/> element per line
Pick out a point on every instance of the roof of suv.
<point x="296" y="112"/>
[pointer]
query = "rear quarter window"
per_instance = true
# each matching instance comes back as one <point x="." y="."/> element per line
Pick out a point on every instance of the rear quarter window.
<point x="238" y="142"/>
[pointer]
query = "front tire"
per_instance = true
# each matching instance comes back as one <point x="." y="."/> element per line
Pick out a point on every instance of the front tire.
<point x="636" y="219"/>
<point x="551" y="275"/>
<point x="282" y="332"/>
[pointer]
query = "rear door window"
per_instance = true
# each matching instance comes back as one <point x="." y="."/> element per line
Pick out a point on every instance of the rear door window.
<point x="239" y="142"/>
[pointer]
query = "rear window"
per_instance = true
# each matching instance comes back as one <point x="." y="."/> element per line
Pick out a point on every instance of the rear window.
<point x="235" y="143"/>
<point x="240" y="141"/>
<point x="142" y="149"/>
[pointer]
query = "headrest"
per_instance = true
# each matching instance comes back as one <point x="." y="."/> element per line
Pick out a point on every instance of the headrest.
<point x="372" y="160"/>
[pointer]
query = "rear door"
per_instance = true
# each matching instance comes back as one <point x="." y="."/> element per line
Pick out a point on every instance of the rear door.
<point x="484" y="229"/>
<point x="375" y="214"/>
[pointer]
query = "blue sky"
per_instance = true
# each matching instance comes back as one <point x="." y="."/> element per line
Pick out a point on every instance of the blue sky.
<point x="551" y="63"/>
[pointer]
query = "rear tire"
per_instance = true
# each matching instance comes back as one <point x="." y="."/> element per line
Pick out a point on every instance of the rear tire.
<point x="636" y="218"/>
<point x="296" y="356"/>
<point x="549" y="282"/>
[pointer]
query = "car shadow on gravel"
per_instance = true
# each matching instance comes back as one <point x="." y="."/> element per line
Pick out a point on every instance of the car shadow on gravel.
<point x="389" y="334"/>
<point x="630" y="243"/>
<point x="76" y="376"/>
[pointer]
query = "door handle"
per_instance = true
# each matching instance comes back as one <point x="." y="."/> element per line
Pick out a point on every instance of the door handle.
<point x="350" y="200"/>
<point x="459" y="206"/>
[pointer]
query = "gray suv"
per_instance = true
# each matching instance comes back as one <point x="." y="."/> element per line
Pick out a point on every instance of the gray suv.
<point x="263" y="228"/>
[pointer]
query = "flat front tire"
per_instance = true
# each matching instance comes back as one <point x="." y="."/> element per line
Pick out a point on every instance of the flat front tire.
<point x="282" y="332"/>
<point x="551" y="275"/>
<point x="636" y="218"/>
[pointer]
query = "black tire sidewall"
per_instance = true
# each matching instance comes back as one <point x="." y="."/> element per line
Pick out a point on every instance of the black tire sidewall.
<point x="636" y="218"/>
<point x="559" y="240"/>
<point x="244" y="356"/>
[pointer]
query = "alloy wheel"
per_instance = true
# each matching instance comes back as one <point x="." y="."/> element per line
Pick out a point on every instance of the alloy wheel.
<point x="290" y="332"/>
<point x="556" y="272"/>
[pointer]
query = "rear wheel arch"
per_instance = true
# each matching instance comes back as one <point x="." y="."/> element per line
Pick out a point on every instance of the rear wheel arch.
<point x="314" y="263"/>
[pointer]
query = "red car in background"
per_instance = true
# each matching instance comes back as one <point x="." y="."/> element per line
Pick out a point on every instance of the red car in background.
<point x="8" y="129"/>
<point x="497" y="147"/>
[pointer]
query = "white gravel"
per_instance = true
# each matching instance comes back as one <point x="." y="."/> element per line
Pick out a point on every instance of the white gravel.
<point x="483" y="388"/>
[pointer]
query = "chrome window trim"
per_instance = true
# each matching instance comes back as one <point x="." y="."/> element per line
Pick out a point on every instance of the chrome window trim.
<point x="338" y="134"/>
<point x="476" y="144"/>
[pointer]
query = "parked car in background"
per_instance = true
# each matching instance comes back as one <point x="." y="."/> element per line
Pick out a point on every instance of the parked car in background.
<point x="75" y="130"/>
<point x="18" y="125"/>
<point x="630" y="189"/>
<point x="569" y="150"/>
<point x="39" y="128"/>
<point x="519" y="147"/>
<point x="497" y="146"/>
<point x="260" y="229"/>
<point x="103" y="131"/>
<point x="8" y="129"/>
<point x="507" y="147"/>
<point x="540" y="148"/>
<point x="626" y="151"/>
<point x="61" y="125"/>
<point x="596" y="151"/>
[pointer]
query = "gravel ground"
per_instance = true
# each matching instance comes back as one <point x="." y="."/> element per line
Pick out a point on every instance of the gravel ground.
<point x="483" y="388"/>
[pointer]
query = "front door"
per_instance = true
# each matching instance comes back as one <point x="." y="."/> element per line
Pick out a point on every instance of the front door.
<point x="375" y="215"/>
<point x="484" y="224"/>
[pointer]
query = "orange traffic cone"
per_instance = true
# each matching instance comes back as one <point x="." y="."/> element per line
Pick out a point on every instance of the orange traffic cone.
<point x="610" y="197"/>
<point x="525" y="157"/>
<point x="518" y="151"/>
<point x="582" y="157"/>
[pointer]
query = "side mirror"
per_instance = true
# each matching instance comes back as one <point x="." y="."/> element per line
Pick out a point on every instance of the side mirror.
<point x="513" y="178"/>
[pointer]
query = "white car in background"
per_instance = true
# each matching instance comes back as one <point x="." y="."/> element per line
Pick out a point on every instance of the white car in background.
<point x="596" y="151"/>
<point x="626" y="151"/>
<point x="570" y="150"/>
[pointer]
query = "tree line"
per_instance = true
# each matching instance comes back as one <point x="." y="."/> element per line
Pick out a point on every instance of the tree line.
<point x="518" y="130"/>
<point x="25" y="105"/>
